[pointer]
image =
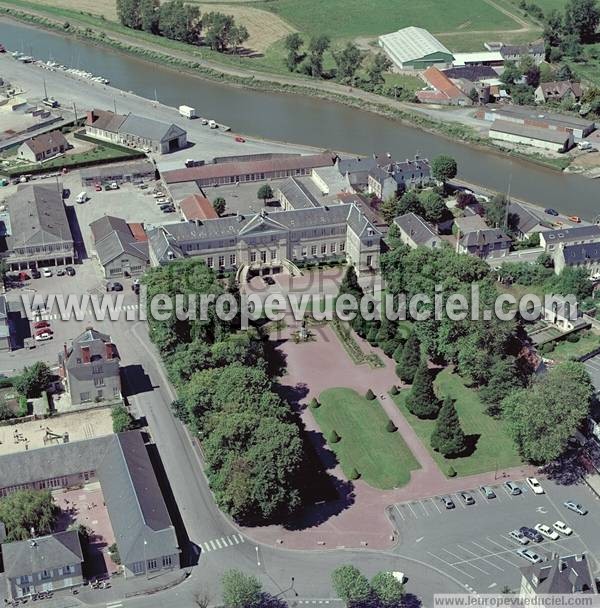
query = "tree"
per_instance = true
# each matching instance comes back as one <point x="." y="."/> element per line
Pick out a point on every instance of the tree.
<point x="443" y="168"/>
<point x="510" y="73"/>
<point x="217" y="28"/>
<point x="495" y="210"/>
<point x="122" y="420"/>
<point x="149" y="14"/>
<point x="421" y="401"/>
<point x="564" y="72"/>
<point x="434" y="207"/>
<point x="376" y="67"/>
<point x="179" y="21"/>
<point x="219" y="205"/>
<point x="113" y="551"/>
<point x="347" y="60"/>
<point x="503" y="378"/>
<point x="292" y="44"/>
<point x="237" y="36"/>
<point x="390" y="427"/>
<point x="582" y="18"/>
<point x="571" y="281"/>
<point x="350" y="585"/>
<point x="553" y="27"/>
<point x="410" y="359"/>
<point x="448" y="438"/>
<point x="240" y="590"/>
<point x="33" y="380"/>
<point x="370" y="395"/>
<point x="314" y="403"/>
<point x="265" y="192"/>
<point x="410" y="203"/>
<point x="27" y="513"/>
<point x="388" y="589"/>
<point x="316" y="48"/>
<point x="333" y="437"/>
<point x="129" y="13"/>
<point x="541" y="419"/>
<point x="474" y="95"/>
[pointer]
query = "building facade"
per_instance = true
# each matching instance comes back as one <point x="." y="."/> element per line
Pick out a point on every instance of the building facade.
<point x="135" y="171"/>
<point x="416" y="232"/>
<point x="391" y="177"/>
<point x="43" y="146"/>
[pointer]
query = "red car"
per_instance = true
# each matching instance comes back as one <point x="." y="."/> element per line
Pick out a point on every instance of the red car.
<point x="240" y="139"/>
<point x="98" y="188"/>
<point x="41" y="324"/>
<point x="44" y="330"/>
<point x="23" y="276"/>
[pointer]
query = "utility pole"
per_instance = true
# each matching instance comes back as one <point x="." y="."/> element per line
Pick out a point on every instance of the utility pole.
<point x="115" y="104"/>
<point x="75" y="111"/>
<point x="45" y="91"/>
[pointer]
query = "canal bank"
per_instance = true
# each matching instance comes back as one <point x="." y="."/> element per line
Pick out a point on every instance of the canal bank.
<point x="306" y="120"/>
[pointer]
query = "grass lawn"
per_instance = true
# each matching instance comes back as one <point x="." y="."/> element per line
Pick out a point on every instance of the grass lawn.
<point x="493" y="448"/>
<point x="411" y="83"/>
<point x="382" y="458"/>
<point x="565" y="350"/>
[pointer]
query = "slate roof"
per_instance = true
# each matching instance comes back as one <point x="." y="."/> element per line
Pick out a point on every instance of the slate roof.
<point x="135" y="504"/>
<point x="297" y="194"/>
<point x="37" y="216"/>
<point x="333" y="179"/>
<point x="470" y="223"/>
<point x="148" y="128"/>
<point x="44" y="553"/>
<point x="523" y="219"/>
<point x="410" y="43"/>
<point x="472" y="73"/>
<point x="562" y="121"/>
<point x="128" y="168"/>
<point x="105" y="120"/>
<point x="564" y="235"/>
<point x="416" y="228"/>
<point x="112" y="237"/>
<point x="355" y="165"/>
<point x="480" y="238"/>
<point x="570" y="574"/>
<point x="46" y="141"/>
<point x="535" y="48"/>
<point x="98" y="343"/>
<point x="581" y="254"/>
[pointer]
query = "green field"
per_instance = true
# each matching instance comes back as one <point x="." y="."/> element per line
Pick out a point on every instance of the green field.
<point x="382" y="458"/>
<point x="494" y="450"/>
<point x="565" y="350"/>
<point x="351" y="18"/>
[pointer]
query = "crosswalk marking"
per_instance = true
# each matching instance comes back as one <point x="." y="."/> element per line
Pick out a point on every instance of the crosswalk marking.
<point x="235" y="538"/>
<point x="222" y="543"/>
<point x="114" y="604"/>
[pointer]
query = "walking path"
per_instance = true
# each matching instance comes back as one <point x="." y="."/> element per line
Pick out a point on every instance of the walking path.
<point x="359" y="517"/>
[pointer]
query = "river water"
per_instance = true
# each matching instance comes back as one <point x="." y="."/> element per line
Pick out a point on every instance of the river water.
<point x="308" y="121"/>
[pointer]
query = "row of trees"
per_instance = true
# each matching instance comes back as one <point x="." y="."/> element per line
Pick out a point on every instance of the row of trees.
<point x="179" y="21"/>
<point x="354" y="588"/>
<point x="252" y="444"/>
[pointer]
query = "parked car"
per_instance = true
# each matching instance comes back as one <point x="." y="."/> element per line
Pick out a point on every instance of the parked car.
<point x="43" y="336"/>
<point x="44" y="330"/>
<point x="167" y="208"/>
<point x="47" y="272"/>
<point x="547" y="531"/>
<point x="530" y="556"/>
<point x="466" y="498"/>
<point x="36" y="274"/>
<point x="136" y="288"/>
<point x="575" y="219"/>
<point x="23" y="276"/>
<point x="561" y="526"/>
<point x="41" y="324"/>
<point x="535" y="485"/>
<point x="60" y="272"/>
<point x="551" y="211"/>
<point x="519" y="536"/>
<point x="70" y="271"/>
<point x="447" y="502"/>
<point x="114" y="186"/>
<point x="269" y="280"/>
<point x="98" y="188"/>
<point x="114" y="286"/>
<point x="531" y="534"/>
<point x="239" y="139"/>
<point x="575" y="507"/>
<point x="66" y="192"/>
<point x="512" y="488"/>
<point x="488" y="492"/>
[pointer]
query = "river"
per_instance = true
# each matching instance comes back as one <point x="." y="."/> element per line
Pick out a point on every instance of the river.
<point x="309" y="121"/>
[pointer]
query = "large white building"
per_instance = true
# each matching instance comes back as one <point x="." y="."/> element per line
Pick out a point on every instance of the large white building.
<point x="414" y="48"/>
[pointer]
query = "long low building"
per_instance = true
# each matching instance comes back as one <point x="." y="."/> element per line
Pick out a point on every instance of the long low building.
<point x="576" y="235"/>
<point x="548" y="139"/>
<point x="271" y="242"/>
<point x="134" y="171"/>
<point x="215" y="174"/>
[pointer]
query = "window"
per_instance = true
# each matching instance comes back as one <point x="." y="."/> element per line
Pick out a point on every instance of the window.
<point x="324" y="248"/>
<point x="369" y="243"/>
<point x="342" y="246"/>
<point x="369" y="260"/>
<point x="167" y="561"/>
<point x="332" y="248"/>
<point x="84" y="396"/>
<point x="137" y="567"/>
<point x="273" y="254"/>
<point x="221" y="260"/>
<point x="209" y="262"/>
<point x="263" y="257"/>
<point x="152" y="564"/>
<point x="304" y="251"/>
<point x="313" y="250"/>
<point x="253" y="256"/>
<point x="99" y="381"/>
<point x="232" y="259"/>
<point x="45" y="574"/>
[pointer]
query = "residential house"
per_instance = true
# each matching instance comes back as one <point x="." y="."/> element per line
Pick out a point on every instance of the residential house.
<point x="91" y="368"/>
<point x="416" y="232"/>
<point x="441" y="90"/>
<point x="485" y="243"/>
<point x="293" y="194"/>
<point x="143" y="531"/>
<point x="559" y="575"/>
<point x="134" y="171"/>
<point x="330" y="181"/>
<point x="577" y="235"/>
<point x="42" y="564"/>
<point x="43" y="146"/>
<point x="266" y="242"/>
<point x="516" y="52"/>
<point x="558" y="91"/>
<point x="120" y="252"/>
<point x="391" y="177"/>
<point x="34" y="229"/>
<point x="470" y="223"/>
<point x="366" y="206"/>
<point x="586" y="256"/>
<point x="356" y="170"/>
<point x="197" y="208"/>
<point x="524" y="222"/>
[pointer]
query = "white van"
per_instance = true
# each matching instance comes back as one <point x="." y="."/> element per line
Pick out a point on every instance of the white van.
<point x="82" y="197"/>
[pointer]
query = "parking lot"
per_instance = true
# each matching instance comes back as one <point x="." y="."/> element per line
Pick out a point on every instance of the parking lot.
<point x="471" y="543"/>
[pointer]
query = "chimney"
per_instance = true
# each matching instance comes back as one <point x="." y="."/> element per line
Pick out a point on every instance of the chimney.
<point x="85" y="354"/>
<point x="65" y="351"/>
<point x="90" y="117"/>
<point x="109" y="350"/>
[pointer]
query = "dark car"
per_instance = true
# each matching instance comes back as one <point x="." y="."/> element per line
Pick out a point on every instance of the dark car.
<point x="60" y="272"/>
<point x="531" y="534"/>
<point x="66" y="193"/>
<point x="551" y="211"/>
<point x="167" y="208"/>
<point x="36" y="274"/>
<point x="70" y="271"/>
<point x="114" y="286"/>
<point x="136" y="288"/>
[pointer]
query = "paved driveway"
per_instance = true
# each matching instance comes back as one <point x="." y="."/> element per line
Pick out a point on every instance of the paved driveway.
<point x="593" y="367"/>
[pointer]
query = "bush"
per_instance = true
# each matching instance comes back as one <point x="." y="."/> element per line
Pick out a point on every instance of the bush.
<point x="394" y="390"/>
<point x="398" y="369"/>
<point x="314" y="403"/>
<point x="370" y="395"/>
<point x="573" y="338"/>
<point x="333" y="437"/>
<point x="122" y="420"/>
<point x="390" y="427"/>
<point x="451" y="471"/>
<point x="547" y="348"/>
<point x="113" y="551"/>
<point x="354" y="474"/>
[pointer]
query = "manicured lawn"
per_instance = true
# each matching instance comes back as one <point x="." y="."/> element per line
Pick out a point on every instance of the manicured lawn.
<point x="493" y="448"/>
<point x="411" y="83"/>
<point x="382" y="458"/>
<point x="350" y="18"/>
<point x="565" y="350"/>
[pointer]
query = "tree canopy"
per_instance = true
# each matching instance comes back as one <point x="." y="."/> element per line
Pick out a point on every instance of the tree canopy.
<point x="33" y="380"/>
<point x="25" y="511"/>
<point x="240" y="590"/>
<point x="444" y="168"/>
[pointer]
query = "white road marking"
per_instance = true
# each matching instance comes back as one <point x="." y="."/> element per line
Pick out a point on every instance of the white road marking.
<point x="399" y="512"/>
<point x="235" y="538"/>
<point x="486" y="549"/>
<point x="212" y="544"/>
<point x="223" y="541"/>
<point x="413" y="511"/>
<point x="424" y="509"/>
<point x="451" y="565"/>
<point x="435" y="505"/>
<point x="419" y="539"/>
<point x="205" y="547"/>
<point x="218" y="543"/>
<point x="477" y="556"/>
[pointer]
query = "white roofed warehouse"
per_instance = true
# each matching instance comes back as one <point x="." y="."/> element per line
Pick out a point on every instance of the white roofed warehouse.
<point x="413" y="48"/>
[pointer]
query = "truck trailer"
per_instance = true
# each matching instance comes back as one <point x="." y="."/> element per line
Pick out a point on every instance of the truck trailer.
<point x="188" y="112"/>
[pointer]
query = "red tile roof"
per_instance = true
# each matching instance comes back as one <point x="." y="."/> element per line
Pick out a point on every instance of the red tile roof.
<point x="245" y="167"/>
<point x="137" y="229"/>
<point x="197" y="207"/>
<point x="441" y="83"/>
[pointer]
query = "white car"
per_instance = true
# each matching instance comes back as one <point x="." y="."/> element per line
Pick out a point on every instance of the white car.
<point x="518" y="536"/>
<point x="547" y="531"/>
<point x="535" y="485"/>
<point x="47" y="272"/>
<point x="43" y="337"/>
<point x="530" y="556"/>
<point x="561" y="526"/>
